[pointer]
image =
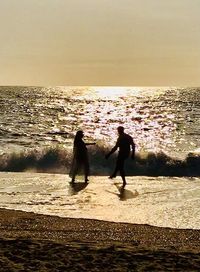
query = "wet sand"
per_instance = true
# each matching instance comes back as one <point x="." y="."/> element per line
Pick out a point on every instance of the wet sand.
<point x="32" y="242"/>
<point x="158" y="201"/>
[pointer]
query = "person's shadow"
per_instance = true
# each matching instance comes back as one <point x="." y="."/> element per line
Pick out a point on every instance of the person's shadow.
<point x="125" y="194"/>
<point x="76" y="187"/>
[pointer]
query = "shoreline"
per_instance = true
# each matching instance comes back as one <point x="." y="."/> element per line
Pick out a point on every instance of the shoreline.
<point x="161" y="201"/>
<point x="21" y="224"/>
<point x="32" y="242"/>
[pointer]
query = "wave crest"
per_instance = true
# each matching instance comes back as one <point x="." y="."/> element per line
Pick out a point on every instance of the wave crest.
<point x="58" y="160"/>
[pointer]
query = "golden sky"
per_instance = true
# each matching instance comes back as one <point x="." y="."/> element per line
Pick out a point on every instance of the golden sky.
<point x="100" y="42"/>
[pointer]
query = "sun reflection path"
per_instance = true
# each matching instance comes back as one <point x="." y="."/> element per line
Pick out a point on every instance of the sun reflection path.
<point x="139" y="110"/>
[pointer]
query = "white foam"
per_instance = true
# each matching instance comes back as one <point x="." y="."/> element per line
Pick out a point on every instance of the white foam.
<point x="160" y="201"/>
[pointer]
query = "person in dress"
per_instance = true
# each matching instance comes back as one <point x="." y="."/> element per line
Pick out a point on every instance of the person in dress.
<point x="80" y="157"/>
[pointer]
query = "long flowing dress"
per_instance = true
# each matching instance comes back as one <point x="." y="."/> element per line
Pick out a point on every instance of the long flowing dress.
<point x="80" y="162"/>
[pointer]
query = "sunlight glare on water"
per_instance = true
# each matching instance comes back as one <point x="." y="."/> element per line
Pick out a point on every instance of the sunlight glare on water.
<point x="158" y="118"/>
<point x="111" y="107"/>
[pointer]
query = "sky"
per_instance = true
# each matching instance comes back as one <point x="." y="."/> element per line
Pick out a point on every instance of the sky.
<point x="100" y="42"/>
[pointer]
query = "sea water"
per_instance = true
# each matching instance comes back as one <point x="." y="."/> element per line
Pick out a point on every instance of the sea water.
<point x="162" y="201"/>
<point x="37" y="127"/>
<point x="164" y="119"/>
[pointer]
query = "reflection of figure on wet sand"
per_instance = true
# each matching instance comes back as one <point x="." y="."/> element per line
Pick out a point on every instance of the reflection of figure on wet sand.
<point x="80" y="157"/>
<point x="77" y="187"/>
<point x="125" y="194"/>
<point x="124" y="142"/>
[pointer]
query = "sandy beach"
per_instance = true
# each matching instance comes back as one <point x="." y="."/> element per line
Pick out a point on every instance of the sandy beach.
<point x="32" y="242"/>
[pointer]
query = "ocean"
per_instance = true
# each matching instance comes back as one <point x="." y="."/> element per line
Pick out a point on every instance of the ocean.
<point x="37" y="127"/>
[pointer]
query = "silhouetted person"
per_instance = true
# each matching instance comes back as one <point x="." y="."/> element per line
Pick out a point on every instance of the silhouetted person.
<point x="80" y="156"/>
<point x="124" y="142"/>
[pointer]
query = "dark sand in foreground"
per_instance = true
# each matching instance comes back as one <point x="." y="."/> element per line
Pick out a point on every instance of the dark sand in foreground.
<point x="32" y="242"/>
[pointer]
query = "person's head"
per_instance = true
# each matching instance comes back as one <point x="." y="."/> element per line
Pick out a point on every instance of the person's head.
<point x="79" y="134"/>
<point x="120" y="130"/>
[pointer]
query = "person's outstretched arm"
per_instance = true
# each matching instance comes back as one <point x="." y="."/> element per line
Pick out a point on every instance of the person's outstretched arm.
<point x="112" y="150"/>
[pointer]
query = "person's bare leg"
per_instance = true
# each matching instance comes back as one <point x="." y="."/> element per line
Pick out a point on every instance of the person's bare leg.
<point x="124" y="181"/>
<point x="122" y="172"/>
<point x="117" y="167"/>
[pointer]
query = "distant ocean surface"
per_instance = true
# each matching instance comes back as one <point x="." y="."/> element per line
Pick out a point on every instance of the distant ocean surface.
<point x="37" y="128"/>
<point x="161" y="120"/>
<point x="166" y="119"/>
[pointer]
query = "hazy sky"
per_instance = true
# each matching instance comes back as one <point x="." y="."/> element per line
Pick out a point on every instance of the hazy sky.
<point x="100" y="42"/>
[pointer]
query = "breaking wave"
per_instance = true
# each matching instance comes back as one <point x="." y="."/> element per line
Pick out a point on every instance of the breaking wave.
<point x="58" y="160"/>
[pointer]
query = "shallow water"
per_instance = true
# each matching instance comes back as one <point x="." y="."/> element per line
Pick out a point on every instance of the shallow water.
<point x="161" y="201"/>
